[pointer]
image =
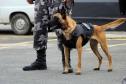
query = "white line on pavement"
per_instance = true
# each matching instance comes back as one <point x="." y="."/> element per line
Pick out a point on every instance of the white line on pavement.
<point x="30" y="43"/>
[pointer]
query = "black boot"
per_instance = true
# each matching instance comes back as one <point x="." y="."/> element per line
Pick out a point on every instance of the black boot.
<point x="40" y="62"/>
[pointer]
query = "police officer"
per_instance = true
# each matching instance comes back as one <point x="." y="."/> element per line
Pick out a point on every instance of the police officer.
<point x="40" y="35"/>
<point x="40" y="32"/>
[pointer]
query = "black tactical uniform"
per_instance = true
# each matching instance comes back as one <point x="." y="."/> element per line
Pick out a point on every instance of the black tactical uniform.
<point x="40" y="33"/>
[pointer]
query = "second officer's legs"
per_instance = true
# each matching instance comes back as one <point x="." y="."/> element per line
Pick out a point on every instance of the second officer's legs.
<point x="59" y="35"/>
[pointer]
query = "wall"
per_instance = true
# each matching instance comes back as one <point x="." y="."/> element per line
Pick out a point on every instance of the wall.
<point x="96" y="0"/>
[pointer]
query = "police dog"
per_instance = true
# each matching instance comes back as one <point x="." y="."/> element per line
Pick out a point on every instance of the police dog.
<point x="97" y="36"/>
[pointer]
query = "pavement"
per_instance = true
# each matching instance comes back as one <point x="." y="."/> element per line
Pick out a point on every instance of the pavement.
<point x="109" y="35"/>
<point x="115" y="34"/>
<point x="17" y="52"/>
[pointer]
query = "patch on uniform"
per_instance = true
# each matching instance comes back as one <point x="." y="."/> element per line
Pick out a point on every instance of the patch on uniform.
<point x="86" y="25"/>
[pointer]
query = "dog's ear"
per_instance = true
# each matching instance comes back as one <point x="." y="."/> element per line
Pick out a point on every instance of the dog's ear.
<point x="63" y="12"/>
<point x="58" y="10"/>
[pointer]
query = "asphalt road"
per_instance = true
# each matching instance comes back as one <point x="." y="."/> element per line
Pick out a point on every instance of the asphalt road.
<point x="16" y="52"/>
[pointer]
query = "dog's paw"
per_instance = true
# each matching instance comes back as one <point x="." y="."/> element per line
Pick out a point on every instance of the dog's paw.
<point x="78" y="73"/>
<point x="65" y="72"/>
<point x="70" y="70"/>
<point x="96" y="69"/>
<point x="109" y="70"/>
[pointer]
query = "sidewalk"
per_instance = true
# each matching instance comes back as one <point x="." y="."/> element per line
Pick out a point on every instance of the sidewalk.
<point x="116" y="34"/>
<point x="109" y="34"/>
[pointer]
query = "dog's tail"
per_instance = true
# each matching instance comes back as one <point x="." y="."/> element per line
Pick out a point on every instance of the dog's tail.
<point x="113" y="24"/>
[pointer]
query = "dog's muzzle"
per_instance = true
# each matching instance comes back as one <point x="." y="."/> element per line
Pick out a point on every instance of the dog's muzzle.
<point x="54" y="23"/>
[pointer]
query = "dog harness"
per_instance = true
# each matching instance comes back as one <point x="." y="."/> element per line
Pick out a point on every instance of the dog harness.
<point x="84" y="29"/>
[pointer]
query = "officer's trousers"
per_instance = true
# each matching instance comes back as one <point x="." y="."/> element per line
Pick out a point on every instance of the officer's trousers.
<point x="40" y="31"/>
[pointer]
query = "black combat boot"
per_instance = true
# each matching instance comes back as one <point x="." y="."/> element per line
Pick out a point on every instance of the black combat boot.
<point x="40" y="62"/>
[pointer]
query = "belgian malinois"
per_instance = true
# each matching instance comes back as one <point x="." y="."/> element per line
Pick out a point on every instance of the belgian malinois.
<point x="97" y="35"/>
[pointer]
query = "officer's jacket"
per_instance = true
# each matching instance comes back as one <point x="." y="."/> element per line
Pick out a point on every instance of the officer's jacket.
<point x="84" y="30"/>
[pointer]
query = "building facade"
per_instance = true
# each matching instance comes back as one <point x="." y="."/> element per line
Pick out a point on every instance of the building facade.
<point x="98" y="11"/>
<point x="96" y="8"/>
